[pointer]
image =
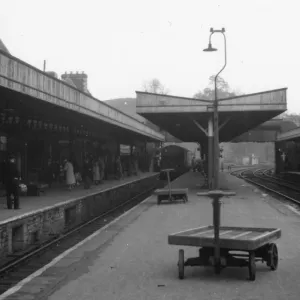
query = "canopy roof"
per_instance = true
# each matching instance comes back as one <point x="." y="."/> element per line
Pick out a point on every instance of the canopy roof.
<point x="187" y="118"/>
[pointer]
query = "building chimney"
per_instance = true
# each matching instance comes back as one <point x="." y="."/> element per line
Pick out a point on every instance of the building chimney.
<point x="3" y="47"/>
<point x="52" y="74"/>
<point x="79" y="80"/>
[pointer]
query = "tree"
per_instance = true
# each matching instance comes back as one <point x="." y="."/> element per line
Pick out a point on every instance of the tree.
<point x="156" y="87"/>
<point x="291" y="117"/>
<point x="224" y="90"/>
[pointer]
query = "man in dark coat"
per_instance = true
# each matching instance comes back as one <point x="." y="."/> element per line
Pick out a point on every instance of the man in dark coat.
<point x="11" y="181"/>
<point x="87" y="173"/>
<point x="50" y="172"/>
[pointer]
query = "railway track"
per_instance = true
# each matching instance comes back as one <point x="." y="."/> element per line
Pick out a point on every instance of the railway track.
<point x="278" y="186"/>
<point x="25" y="265"/>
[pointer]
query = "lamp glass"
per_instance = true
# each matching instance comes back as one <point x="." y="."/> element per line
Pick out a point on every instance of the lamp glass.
<point x="210" y="48"/>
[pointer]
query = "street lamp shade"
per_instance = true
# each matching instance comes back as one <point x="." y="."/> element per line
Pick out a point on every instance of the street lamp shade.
<point x="210" y="48"/>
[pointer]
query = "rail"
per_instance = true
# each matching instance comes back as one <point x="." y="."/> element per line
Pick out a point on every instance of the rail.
<point x="276" y="185"/>
<point x="8" y="272"/>
<point x="13" y="272"/>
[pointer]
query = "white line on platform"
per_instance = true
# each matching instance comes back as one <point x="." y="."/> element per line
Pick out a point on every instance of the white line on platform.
<point x="293" y="209"/>
<point x="39" y="272"/>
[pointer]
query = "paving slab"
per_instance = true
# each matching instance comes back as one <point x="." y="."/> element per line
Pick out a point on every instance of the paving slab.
<point x="132" y="259"/>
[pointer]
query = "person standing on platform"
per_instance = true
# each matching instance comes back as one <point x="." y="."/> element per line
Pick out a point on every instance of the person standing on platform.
<point x="87" y="173"/>
<point x="135" y="165"/>
<point x="61" y="173"/>
<point x="222" y="166"/>
<point x="204" y="164"/>
<point x="96" y="172"/>
<point x="11" y="181"/>
<point x="50" y="172"/>
<point x="193" y="163"/>
<point x="119" y="169"/>
<point x="70" y="177"/>
<point x="75" y="169"/>
<point x="106" y="166"/>
<point x="102" y="167"/>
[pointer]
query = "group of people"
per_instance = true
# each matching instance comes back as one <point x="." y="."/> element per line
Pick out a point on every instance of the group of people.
<point x="93" y="171"/>
<point x="201" y="166"/>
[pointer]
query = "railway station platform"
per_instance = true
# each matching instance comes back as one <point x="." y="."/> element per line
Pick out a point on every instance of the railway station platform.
<point x="292" y="173"/>
<point x="292" y="176"/>
<point x="131" y="259"/>
<point x="42" y="219"/>
<point x="56" y="196"/>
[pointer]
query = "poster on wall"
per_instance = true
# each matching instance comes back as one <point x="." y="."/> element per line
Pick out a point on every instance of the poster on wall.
<point x="3" y="143"/>
<point x="124" y="149"/>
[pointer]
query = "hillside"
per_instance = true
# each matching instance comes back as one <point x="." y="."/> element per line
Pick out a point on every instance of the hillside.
<point x="127" y="105"/>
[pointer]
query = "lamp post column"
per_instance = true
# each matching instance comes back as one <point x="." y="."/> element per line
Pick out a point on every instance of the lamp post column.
<point x="210" y="153"/>
<point x="216" y="140"/>
<point x="216" y="154"/>
<point x="216" y="200"/>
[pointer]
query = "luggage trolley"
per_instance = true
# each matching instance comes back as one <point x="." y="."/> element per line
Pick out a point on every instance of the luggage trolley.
<point x="170" y="194"/>
<point x="222" y="247"/>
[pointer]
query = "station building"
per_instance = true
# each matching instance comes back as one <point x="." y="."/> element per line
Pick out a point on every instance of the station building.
<point x="43" y="117"/>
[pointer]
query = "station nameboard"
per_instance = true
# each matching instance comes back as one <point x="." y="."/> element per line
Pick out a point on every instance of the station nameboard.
<point x="124" y="149"/>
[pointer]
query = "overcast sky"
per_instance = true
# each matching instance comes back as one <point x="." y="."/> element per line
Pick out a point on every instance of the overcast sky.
<point x="121" y="44"/>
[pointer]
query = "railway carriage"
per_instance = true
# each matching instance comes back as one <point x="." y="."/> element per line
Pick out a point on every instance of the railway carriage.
<point x="177" y="158"/>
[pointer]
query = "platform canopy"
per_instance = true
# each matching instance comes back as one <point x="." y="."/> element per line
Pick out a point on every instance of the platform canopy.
<point x="291" y="135"/>
<point x="266" y="132"/>
<point x="37" y="94"/>
<point x="187" y="118"/>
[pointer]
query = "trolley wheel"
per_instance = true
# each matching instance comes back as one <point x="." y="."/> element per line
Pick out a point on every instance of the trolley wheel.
<point x="181" y="264"/>
<point x="217" y="268"/>
<point x="158" y="200"/>
<point x="252" y="266"/>
<point x="272" y="257"/>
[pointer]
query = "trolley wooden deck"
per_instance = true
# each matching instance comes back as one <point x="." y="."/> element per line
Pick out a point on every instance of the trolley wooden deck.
<point x="232" y="238"/>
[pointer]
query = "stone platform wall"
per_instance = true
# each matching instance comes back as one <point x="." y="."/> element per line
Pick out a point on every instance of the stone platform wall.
<point x="22" y="233"/>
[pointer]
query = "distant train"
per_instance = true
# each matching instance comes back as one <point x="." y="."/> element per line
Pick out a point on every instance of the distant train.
<point x="177" y="158"/>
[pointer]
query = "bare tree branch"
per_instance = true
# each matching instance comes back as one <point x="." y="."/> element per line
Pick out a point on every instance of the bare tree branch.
<point x="208" y="93"/>
<point x="155" y="86"/>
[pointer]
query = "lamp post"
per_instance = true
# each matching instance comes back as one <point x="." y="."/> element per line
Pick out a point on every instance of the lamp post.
<point x="214" y="160"/>
<point x="214" y="163"/>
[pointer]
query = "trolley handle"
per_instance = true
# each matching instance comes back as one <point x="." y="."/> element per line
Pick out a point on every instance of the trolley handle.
<point x="216" y="193"/>
<point x="167" y="170"/>
<point x="169" y="180"/>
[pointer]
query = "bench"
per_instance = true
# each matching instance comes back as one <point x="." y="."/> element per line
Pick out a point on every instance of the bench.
<point x="171" y="195"/>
